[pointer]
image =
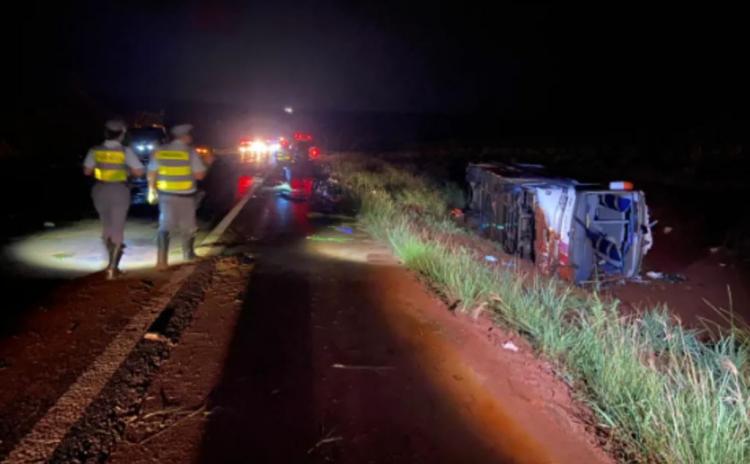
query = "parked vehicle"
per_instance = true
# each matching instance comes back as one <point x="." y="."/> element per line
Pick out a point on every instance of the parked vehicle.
<point x="300" y="158"/>
<point x="258" y="151"/>
<point x="303" y="148"/>
<point x="581" y="232"/>
<point x="143" y="140"/>
<point x="206" y="153"/>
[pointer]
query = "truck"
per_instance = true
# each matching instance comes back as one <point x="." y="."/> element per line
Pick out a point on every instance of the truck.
<point x="581" y="232"/>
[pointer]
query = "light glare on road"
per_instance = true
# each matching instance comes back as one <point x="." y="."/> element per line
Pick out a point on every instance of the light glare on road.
<point x="77" y="249"/>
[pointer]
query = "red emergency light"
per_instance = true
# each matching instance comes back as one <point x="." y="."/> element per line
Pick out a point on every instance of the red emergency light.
<point x="302" y="137"/>
<point x="314" y="153"/>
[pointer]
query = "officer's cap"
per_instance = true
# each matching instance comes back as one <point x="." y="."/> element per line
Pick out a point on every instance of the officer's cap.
<point x="115" y="125"/>
<point x="181" y="129"/>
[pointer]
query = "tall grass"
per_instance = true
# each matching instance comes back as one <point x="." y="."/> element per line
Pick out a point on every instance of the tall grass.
<point x="662" y="390"/>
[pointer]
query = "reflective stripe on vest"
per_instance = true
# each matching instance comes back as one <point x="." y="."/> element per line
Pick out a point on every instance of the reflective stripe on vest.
<point x="175" y="172"/>
<point x="110" y="166"/>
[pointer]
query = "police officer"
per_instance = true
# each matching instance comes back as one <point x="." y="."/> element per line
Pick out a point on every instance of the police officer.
<point x="109" y="163"/>
<point x="172" y="174"/>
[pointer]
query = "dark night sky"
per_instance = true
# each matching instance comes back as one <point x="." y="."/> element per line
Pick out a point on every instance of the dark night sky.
<point x="523" y="60"/>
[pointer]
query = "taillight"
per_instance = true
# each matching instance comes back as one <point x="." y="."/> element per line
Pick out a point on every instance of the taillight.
<point x="314" y="152"/>
<point x="243" y="185"/>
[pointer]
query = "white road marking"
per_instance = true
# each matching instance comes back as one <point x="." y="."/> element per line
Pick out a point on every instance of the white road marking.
<point x="39" y="444"/>
<point x="213" y="237"/>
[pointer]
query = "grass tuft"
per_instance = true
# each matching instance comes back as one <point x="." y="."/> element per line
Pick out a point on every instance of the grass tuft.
<point x="661" y="389"/>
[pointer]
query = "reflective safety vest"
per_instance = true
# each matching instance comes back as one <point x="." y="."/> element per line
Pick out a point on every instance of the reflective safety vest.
<point x="175" y="172"/>
<point x="110" y="165"/>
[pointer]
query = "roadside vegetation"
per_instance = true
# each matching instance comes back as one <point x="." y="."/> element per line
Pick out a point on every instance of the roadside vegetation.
<point x="664" y="392"/>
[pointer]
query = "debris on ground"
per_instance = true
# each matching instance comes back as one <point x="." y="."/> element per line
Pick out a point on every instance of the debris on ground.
<point x="670" y="278"/>
<point x="49" y="224"/>
<point x="323" y="442"/>
<point x="155" y="337"/>
<point x="654" y="275"/>
<point x="675" y="278"/>
<point x="329" y="189"/>
<point x="200" y="410"/>
<point x="321" y="238"/>
<point x="280" y="187"/>
<point x="344" y="230"/>
<point x="490" y="259"/>
<point x="714" y="250"/>
<point x="510" y="346"/>
<point x="667" y="230"/>
<point x="457" y="213"/>
<point x="361" y="367"/>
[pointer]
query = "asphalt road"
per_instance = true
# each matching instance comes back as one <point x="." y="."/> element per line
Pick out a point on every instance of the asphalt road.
<point x="45" y="250"/>
<point x="335" y="353"/>
<point x="305" y="341"/>
<point x="59" y="314"/>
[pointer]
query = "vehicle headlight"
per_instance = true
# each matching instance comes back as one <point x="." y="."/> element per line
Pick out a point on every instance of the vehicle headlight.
<point x="140" y="147"/>
<point x="258" y="146"/>
<point x="150" y="146"/>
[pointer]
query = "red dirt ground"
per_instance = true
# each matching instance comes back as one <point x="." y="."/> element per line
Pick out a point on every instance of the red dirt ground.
<point x="716" y="277"/>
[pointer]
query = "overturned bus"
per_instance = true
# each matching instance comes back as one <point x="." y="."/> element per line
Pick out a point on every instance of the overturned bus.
<point x="581" y="232"/>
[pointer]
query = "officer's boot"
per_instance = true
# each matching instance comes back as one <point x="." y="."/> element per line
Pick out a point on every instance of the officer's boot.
<point x="163" y="251"/>
<point x="110" y="246"/>
<point x="115" y="255"/>
<point x="188" y="247"/>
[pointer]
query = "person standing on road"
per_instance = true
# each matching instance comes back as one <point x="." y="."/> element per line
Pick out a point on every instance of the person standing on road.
<point x="173" y="172"/>
<point x="109" y="163"/>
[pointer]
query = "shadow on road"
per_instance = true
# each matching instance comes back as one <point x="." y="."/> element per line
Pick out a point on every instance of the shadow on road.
<point x="315" y="372"/>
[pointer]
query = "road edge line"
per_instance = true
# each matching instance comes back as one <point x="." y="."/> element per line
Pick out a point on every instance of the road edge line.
<point x="210" y="240"/>
<point x="40" y="443"/>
